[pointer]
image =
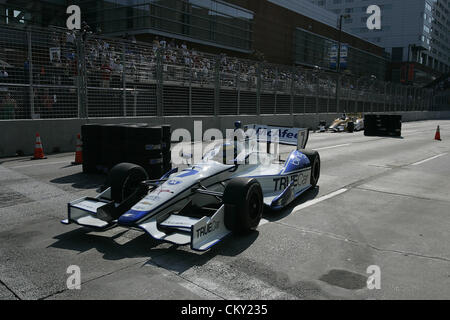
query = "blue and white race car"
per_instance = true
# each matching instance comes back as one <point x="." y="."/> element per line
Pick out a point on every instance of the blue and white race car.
<point x="207" y="201"/>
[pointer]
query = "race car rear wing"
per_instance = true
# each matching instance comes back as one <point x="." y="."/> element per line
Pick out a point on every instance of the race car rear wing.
<point x="290" y="136"/>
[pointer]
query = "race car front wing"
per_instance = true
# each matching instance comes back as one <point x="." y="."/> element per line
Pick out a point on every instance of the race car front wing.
<point x="200" y="233"/>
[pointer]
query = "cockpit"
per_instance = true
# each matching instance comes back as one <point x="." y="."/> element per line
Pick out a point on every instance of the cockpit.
<point x="225" y="153"/>
<point x="237" y="152"/>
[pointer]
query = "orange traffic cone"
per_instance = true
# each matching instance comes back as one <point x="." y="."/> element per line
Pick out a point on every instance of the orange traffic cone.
<point x="38" y="150"/>
<point x="438" y="134"/>
<point x="78" y="152"/>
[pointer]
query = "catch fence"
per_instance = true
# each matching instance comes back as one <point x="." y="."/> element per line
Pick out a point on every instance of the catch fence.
<point x="54" y="73"/>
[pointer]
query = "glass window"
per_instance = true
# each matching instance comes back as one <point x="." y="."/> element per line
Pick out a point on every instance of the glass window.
<point x="207" y="20"/>
<point x="312" y="50"/>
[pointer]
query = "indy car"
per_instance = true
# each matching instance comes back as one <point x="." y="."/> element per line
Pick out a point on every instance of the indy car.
<point x="349" y="123"/>
<point x="205" y="202"/>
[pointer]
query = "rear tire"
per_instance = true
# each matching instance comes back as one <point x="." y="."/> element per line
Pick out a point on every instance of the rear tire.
<point x="314" y="159"/>
<point x="124" y="179"/>
<point x="243" y="200"/>
<point x="351" y="127"/>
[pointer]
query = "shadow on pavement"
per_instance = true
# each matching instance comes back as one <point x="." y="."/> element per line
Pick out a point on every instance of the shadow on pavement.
<point x="81" y="180"/>
<point x="274" y="216"/>
<point x="179" y="260"/>
<point x="171" y="257"/>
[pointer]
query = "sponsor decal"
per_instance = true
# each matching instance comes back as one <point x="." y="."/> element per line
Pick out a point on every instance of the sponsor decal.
<point x="128" y="215"/>
<point x="298" y="179"/>
<point x="282" y="133"/>
<point x="188" y="173"/>
<point x="173" y="182"/>
<point x="152" y="198"/>
<point x="210" y="227"/>
<point x="165" y="191"/>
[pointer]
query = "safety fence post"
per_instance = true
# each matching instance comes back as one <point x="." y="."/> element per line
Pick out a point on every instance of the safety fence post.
<point x="292" y="77"/>
<point x="238" y="87"/>
<point x="159" y="82"/>
<point x="124" y="82"/>
<point x="258" y="88"/>
<point x="30" y="74"/>
<point x="81" y="76"/>
<point x="217" y="85"/>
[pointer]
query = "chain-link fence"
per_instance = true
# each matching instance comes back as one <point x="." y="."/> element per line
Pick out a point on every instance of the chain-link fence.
<point x="55" y="73"/>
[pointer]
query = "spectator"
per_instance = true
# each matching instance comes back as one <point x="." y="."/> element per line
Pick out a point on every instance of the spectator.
<point x="48" y="103"/>
<point x="172" y="44"/>
<point x="156" y="44"/>
<point x="70" y="38"/>
<point x="163" y="43"/>
<point x="26" y="71"/>
<point x="106" y="74"/>
<point x="3" y="75"/>
<point x="8" y="107"/>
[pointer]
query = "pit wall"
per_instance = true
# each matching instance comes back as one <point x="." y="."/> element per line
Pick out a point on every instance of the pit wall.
<point x="59" y="135"/>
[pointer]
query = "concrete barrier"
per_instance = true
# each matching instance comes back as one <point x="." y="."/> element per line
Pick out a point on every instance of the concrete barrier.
<point x="60" y="134"/>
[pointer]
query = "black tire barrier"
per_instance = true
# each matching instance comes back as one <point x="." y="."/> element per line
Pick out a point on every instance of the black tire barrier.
<point x="383" y="125"/>
<point x="107" y="145"/>
<point x="90" y="136"/>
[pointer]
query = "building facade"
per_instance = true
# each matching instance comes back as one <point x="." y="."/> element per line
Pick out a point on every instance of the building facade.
<point x="416" y="33"/>
<point x="206" y="22"/>
<point x="277" y="31"/>
<point x="20" y="13"/>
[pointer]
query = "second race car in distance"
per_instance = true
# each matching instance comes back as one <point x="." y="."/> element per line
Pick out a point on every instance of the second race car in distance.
<point x="349" y="123"/>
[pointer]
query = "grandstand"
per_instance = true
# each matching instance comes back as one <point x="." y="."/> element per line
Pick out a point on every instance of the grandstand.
<point x="54" y="73"/>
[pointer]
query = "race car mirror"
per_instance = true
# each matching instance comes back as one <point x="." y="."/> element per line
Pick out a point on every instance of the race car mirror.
<point x="187" y="156"/>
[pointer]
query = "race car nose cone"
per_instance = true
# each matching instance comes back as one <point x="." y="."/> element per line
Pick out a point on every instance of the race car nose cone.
<point x="131" y="217"/>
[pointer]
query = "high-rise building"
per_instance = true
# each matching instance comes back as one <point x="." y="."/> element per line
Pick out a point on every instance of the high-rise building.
<point x="416" y="33"/>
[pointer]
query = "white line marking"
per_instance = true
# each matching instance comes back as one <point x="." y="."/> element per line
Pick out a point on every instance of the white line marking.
<point x="39" y="164"/>
<point x="429" y="159"/>
<point x="332" y="147"/>
<point x="315" y="201"/>
<point x="310" y="203"/>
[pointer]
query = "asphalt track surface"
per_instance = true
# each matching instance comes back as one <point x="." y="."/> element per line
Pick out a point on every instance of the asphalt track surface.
<point x="380" y="201"/>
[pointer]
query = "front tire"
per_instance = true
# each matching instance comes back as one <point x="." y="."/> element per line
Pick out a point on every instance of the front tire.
<point x="124" y="179"/>
<point x="243" y="200"/>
